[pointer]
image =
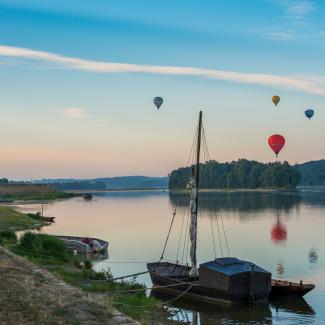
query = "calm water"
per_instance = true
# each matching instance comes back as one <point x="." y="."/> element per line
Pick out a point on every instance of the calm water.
<point x="283" y="232"/>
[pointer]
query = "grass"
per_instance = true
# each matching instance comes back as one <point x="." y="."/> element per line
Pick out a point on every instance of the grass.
<point x="14" y="220"/>
<point x="29" y="297"/>
<point x="37" y="196"/>
<point x="52" y="254"/>
<point x="31" y="192"/>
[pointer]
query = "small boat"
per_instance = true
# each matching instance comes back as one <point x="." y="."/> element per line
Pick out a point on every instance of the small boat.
<point x="87" y="196"/>
<point x="84" y="245"/>
<point x="282" y="288"/>
<point x="48" y="219"/>
<point x="222" y="280"/>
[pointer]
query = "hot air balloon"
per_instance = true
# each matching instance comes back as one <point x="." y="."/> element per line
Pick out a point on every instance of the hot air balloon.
<point x="276" y="143"/>
<point x="158" y="101"/>
<point x="276" y="99"/>
<point x="309" y="113"/>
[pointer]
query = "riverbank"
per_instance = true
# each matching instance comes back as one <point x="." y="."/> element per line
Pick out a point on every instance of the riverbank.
<point x="11" y="219"/>
<point x="31" y="295"/>
<point x="52" y="275"/>
<point x="31" y="192"/>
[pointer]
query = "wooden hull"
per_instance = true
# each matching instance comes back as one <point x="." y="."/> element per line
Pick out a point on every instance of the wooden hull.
<point x="281" y="288"/>
<point x="182" y="286"/>
<point x="190" y="289"/>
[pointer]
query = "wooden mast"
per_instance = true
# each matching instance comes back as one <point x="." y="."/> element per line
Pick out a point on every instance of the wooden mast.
<point x="194" y="201"/>
<point x="198" y="151"/>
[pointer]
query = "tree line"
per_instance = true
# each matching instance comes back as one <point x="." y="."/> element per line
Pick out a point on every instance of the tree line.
<point x="239" y="174"/>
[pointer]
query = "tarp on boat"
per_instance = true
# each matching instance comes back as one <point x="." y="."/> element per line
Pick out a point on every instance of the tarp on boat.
<point x="231" y="266"/>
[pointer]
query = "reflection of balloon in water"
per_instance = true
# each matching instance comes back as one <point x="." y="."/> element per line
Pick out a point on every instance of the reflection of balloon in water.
<point x="158" y="101"/>
<point x="280" y="269"/>
<point x="312" y="256"/>
<point x="309" y="113"/>
<point x="275" y="99"/>
<point x="276" y="143"/>
<point x="279" y="233"/>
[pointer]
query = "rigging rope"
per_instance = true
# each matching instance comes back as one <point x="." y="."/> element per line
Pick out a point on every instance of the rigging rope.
<point x="180" y="237"/>
<point x="224" y="233"/>
<point x="170" y="228"/>
<point x="214" y="244"/>
<point x="219" y="235"/>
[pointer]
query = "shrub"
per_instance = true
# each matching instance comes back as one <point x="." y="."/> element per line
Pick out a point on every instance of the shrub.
<point x="43" y="246"/>
<point x="88" y="264"/>
<point x="7" y="236"/>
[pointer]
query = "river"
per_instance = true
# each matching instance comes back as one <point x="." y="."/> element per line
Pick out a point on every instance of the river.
<point x="283" y="232"/>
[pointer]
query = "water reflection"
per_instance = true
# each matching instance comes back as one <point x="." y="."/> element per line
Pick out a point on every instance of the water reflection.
<point x="279" y="232"/>
<point x="218" y="314"/>
<point x="185" y="312"/>
<point x="135" y="223"/>
<point x="243" y="201"/>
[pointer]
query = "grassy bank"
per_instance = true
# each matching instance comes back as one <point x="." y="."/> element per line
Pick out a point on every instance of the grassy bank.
<point x="14" y="220"/>
<point x="31" y="192"/>
<point x="31" y="295"/>
<point x="51" y="253"/>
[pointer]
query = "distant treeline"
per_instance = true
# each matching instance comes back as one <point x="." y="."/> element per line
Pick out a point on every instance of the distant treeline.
<point x="239" y="174"/>
<point x="312" y="173"/>
<point x="77" y="185"/>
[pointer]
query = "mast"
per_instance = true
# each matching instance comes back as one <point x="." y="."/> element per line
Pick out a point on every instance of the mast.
<point x="194" y="201"/>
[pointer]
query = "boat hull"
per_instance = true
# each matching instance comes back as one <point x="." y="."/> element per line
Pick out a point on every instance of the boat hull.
<point x="184" y="287"/>
<point x="281" y="288"/>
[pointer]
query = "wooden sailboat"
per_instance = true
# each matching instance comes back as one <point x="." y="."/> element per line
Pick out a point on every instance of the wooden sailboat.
<point x="223" y="280"/>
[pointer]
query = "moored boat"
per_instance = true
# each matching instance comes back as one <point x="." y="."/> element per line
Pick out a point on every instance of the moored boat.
<point x="222" y="280"/>
<point x="84" y="245"/>
<point x="282" y="288"/>
<point x="87" y="196"/>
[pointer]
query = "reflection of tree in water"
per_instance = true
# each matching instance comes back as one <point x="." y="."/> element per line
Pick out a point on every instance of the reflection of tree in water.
<point x="242" y="201"/>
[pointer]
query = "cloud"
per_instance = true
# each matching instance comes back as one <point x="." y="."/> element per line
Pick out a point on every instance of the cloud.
<point x="296" y="9"/>
<point x="75" y="112"/>
<point x="281" y="35"/>
<point x="307" y="84"/>
<point x="299" y="9"/>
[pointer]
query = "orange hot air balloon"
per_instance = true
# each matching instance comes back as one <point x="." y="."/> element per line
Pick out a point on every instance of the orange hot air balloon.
<point x="276" y="99"/>
<point x="276" y="143"/>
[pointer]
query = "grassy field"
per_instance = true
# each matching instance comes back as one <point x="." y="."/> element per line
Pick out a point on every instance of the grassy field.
<point x="27" y="192"/>
<point x="14" y="220"/>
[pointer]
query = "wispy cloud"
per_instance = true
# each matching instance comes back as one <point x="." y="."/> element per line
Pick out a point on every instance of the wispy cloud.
<point x="73" y="112"/>
<point x="309" y="84"/>
<point x="296" y="9"/>
<point x="280" y="35"/>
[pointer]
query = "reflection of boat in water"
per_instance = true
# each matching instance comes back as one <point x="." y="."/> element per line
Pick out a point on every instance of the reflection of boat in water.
<point x="217" y="313"/>
<point x="87" y="196"/>
<point x="84" y="245"/>
<point x="238" y="314"/>
<point x="298" y="306"/>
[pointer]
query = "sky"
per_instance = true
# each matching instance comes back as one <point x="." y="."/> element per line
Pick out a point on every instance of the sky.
<point x="78" y="80"/>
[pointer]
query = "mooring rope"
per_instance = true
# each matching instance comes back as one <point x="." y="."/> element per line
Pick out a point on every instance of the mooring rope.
<point x="157" y="304"/>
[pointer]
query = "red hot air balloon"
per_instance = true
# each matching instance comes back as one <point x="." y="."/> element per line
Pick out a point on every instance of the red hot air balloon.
<point x="276" y="143"/>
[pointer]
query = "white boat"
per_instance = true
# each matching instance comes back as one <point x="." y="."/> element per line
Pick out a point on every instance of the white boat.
<point x="84" y="245"/>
